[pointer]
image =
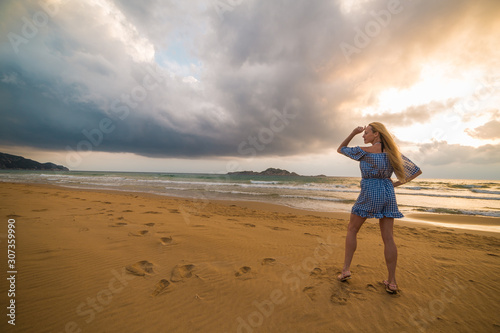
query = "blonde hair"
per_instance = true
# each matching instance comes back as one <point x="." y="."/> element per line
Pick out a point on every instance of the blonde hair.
<point x="391" y="148"/>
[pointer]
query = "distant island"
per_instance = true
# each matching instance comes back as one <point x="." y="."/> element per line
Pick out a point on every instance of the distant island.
<point x="14" y="162"/>
<point x="267" y="172"/>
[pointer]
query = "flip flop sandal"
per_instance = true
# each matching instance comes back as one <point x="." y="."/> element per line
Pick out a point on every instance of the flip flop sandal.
<point x="343" y="277"/>
<point x="391" y="288"/>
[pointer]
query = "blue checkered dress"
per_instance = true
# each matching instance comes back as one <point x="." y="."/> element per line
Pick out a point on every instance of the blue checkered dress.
<point x="377" y="198"/>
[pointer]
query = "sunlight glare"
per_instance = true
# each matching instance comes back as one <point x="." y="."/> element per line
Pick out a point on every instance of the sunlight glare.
<point x="438" y="83"/>
<point x="351" y="6"/>
<point x="435" y="85"/>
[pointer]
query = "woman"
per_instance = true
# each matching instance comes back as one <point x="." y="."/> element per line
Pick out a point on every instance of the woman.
<point x="377" y="198"/>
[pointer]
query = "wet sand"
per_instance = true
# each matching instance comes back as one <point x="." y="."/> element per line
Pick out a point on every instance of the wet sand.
<point x="100" y="261"/>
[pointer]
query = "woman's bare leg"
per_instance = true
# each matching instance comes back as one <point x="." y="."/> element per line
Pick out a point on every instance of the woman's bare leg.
<point x="390" y="249"/>
<point x="355" y="224"/>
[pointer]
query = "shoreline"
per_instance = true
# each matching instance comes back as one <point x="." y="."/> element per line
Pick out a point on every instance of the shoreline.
<point x="481" y="225"/>
<point x="95" y="260"/>
<point x="453" y="196"/>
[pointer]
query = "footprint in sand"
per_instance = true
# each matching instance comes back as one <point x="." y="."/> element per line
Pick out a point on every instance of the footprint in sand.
<point x="279" y="228"/>
<point x="118" y="224"/>
<point x="138" y="234"/>
<point x="309" y="291"/>
<point x="340" y="296"/>
<point x="443" y="259"/>
<point x="242" y="273"/>
<point x="181" y="272"/>
<point x="160" y="287"/>
<point x="166" y="240"/>
<point x="316" y="272"/>
<point x="140" y="268"/>
<point x="268" y="261"/>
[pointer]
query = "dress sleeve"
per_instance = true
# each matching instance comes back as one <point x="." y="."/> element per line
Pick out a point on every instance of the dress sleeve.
<point x="356" y="153"/>
<point x="410" y="167"/>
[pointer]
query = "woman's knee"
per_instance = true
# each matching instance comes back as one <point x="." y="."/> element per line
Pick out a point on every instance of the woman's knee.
<point x="353" y="228"/>
<point x="388" y="238"/>
<point x="386" y="230"/>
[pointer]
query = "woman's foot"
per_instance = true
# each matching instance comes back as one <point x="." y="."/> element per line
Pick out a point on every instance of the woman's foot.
<point x="391" y="288"/>
<point x="344" y="276"/>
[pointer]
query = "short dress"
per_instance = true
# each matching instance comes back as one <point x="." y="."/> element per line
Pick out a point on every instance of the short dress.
<point x="377" y="198"/>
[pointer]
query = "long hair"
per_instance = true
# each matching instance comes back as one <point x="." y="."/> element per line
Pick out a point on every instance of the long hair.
<point x="391" y="148"/>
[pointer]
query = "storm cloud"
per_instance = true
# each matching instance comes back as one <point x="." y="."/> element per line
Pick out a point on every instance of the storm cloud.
<point x="213" y="78"/>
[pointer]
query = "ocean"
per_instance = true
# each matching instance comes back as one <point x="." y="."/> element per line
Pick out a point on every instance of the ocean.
<point x="330" y="194"/>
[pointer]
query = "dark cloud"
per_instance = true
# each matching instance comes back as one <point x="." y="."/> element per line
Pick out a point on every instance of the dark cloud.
<point x="258" y="62"/>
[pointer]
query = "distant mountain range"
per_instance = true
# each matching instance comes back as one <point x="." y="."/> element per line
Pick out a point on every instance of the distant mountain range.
<point x="14" y="162"/>
<point x="267" y="172"/>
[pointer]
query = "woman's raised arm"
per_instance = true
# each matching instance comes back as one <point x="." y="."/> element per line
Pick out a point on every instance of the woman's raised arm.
<point x="354" y="132"/>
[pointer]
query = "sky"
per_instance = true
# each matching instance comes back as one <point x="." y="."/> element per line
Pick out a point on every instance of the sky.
<point x="224" y="85"/>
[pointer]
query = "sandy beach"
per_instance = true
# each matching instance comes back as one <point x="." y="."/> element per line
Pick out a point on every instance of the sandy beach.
<point x="97" y="261"/>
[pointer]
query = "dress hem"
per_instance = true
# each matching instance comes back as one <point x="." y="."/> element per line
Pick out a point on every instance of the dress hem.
<point x="369" y="215"/>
